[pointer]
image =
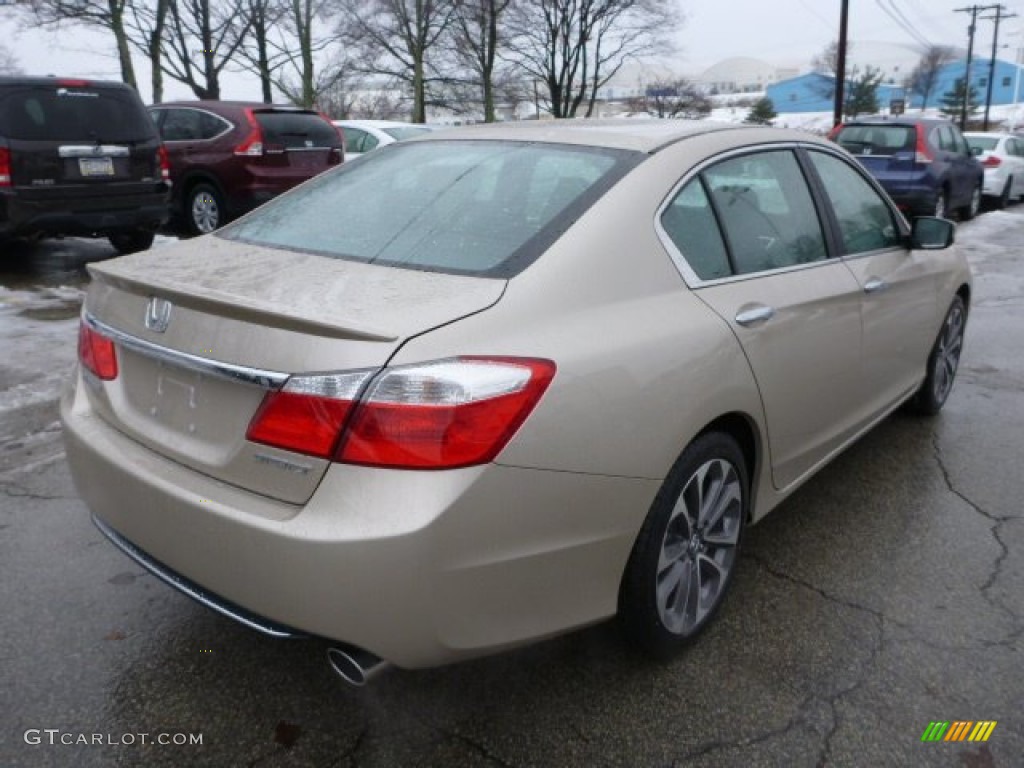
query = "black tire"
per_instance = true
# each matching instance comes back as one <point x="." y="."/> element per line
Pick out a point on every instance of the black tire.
<point x="204" y="209"/>
<point x="695" y="556"/>
<point x="131" y="242"/>
<point x="970" y="210"/>
<point x="943" y="361"/>
<point x="1004" y="199"/>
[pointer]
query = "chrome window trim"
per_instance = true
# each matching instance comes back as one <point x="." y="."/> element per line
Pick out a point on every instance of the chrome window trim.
<point x="228" y="125"/>
<point x="93" y="150"/>
<point x="239" y="374"/>
<point x="682" y="265"/>
<point x="679" y="259"/>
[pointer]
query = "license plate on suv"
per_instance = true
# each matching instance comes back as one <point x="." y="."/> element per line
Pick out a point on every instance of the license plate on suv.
<point x="96" y="166"/>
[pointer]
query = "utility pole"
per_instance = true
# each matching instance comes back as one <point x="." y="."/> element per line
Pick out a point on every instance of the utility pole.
<point x="992" y="64"/>
<point x="974" y="10"/>
<point x="837" y="110"/>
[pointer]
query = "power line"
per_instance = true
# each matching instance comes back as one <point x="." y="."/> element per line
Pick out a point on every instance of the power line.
<point x="902" y="22"/>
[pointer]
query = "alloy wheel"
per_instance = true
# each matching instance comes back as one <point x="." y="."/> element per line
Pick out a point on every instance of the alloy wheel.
<point x="205" y="212"/>
<point x="947" y="356"/>
<point x="699" y="547"/>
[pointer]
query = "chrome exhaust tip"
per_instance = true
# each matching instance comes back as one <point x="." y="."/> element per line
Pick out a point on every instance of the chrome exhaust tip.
<point x="354" y="665"/>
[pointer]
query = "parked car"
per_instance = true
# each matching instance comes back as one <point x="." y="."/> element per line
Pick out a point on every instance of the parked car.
<point x="79" y="157"/>
<point x="227" y="157"/>
<point x="925" y="165"/>
<point x="363" y="135"/>
<point x="536" y="376"/>
<point x="1002" y="157"/>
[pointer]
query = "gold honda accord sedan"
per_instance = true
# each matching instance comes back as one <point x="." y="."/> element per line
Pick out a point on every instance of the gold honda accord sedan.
<point x="502" y="382"/>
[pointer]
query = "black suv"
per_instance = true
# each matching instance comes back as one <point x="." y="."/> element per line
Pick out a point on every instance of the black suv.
<point x="925" y="165"/>
<point x="80" y="157"/>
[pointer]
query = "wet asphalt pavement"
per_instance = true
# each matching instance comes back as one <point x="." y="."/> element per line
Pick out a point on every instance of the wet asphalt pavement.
<point x="885" y="594"/>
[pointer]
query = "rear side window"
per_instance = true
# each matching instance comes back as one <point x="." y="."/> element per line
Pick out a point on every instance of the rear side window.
<point x="296" y="130"/>
<point x="982" y="143"/>
<point x="466" y="207"/>
<point x="690" y="223"/>
<point x="74" y="113"/>
<point x="766" y="210"/>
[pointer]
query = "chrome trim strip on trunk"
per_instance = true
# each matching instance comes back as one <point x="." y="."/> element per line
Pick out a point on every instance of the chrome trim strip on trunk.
<point x="93" y="150"/>
<point x="197" y="593"/>
<point x="239" y="374"/>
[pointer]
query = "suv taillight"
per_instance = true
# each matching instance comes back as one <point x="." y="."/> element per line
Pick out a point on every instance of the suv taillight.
<point x="441" y="415"/>
<point x="5" y="167"/>
<point x="922" y="154"/>
<point x="252" y="146"/>
<point x="96" y="353"/>
<point x="163" y="162"/>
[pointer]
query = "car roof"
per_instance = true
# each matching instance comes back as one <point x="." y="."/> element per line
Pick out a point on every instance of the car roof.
<point x="639" y="135"/>
<point x="213" y="104"/>
<point x="84" y="82"/>
<point x="379" y="124"/>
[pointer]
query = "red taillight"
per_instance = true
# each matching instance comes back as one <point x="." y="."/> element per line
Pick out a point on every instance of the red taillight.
<point x="163" y="162"/>
<point x="5" y="167"/>
<point x="922" y="155"/>
<point x="96" y="353"/>
<point x="991" y="162"/>
<point x="252" y="146"/>
<point x="442" y="415"/>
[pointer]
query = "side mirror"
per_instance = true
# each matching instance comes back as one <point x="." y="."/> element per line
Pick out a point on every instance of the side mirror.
<point x="931" y="234"/>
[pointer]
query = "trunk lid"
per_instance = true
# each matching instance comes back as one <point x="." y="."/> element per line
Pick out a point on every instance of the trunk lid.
<point x="239" y="316"/>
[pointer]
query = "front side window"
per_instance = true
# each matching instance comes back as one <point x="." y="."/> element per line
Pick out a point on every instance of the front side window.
<point x="866" y="223"/>
<point x="766" y="211"/>
<point x="466" y="207"/>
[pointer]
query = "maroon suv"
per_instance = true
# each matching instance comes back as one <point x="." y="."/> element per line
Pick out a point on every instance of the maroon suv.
<point x="227" y="157"/>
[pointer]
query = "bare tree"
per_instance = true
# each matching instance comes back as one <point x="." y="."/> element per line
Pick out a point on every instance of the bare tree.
<point x="257" y="52"/>
<point x="827" y="62"/>
<point x="145" y="30"/>
<point x="202" y="41"/>
<point x="478" y="33"/>
<point x="399" y="40"/>
<point x="673" y="98"/>
<point x="925" y="76"/>
<point x="574" y="47"/>
<point x="109" y="15"/>
<point x="8" y="64"/>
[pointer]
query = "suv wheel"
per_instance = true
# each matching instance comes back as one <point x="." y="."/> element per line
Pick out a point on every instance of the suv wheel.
<point x="970" y="210"/>
<point x="131" y="242"/>
<point x="204" y="209"/>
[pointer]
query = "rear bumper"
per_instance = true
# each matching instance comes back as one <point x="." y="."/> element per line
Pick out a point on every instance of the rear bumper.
<point x="85" y="216"/>
<point x="995" y="182"/>
<point x="419" y="568"/>
<point x="912" y="198"/>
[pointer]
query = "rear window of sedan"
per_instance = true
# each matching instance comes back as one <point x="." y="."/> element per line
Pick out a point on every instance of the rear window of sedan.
<point x="483" y="208"/>
<point x="982" y="143"/>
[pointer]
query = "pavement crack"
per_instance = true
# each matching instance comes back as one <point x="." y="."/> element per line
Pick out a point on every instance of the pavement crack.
<point x="476" y="746"/>
<point x="15" y="491"/>
<point x="798" y="719"/>
<point x="997" y="523"/>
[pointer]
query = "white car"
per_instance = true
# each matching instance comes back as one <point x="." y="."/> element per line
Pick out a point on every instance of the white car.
<point x="363" y="135"/>
<point x="1002" y="155"/>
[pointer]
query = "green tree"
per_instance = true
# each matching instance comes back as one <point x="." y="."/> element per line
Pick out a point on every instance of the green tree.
<point x="861" y="96"/>
<point x="952" y="102"/>
<point x="761" y="113"/>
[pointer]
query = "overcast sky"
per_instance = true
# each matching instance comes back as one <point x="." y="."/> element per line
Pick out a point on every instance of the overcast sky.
<point x="788" y="32"/>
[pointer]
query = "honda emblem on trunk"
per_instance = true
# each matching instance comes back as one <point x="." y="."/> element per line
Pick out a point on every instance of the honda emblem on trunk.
<point x="158" y="314"/>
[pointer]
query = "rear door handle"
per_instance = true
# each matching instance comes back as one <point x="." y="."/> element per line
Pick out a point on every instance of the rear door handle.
<point x="749" y="317"/>
<point x="875" y="285"/>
